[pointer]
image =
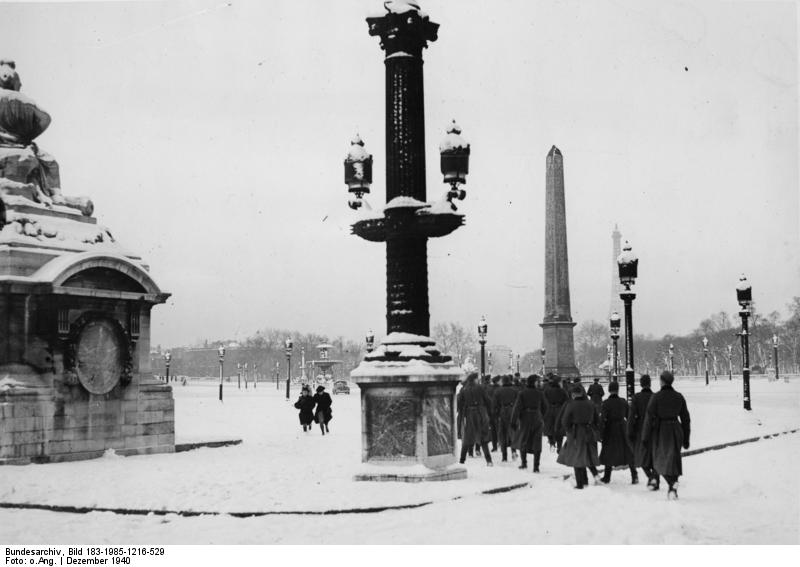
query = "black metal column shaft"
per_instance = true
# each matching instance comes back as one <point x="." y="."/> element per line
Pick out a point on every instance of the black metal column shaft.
<point x="745" y="360"/>
<point x="628" y="298"/>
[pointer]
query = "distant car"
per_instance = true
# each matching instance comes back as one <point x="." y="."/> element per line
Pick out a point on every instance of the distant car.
<point x="341" y="387"/>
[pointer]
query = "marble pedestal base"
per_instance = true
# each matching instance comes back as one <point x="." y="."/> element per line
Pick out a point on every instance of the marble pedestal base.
<point x="408" y="420"/>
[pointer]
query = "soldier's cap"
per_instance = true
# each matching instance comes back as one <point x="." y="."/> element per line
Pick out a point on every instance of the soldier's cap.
<point x="644" y="381"/>
<point x="667" y="377"/>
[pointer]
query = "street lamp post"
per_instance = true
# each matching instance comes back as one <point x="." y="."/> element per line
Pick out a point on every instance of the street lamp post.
<point x="517" y="363"/>
<point x="775" y="354"/>
<point x="609" y="359"/>
<point x="221" y="353"/>
<point x="614" y="323"/>
<point x="628" y="265"/>
<point x="239" y="375"/>
<point x="489" y="357"/>
<point x="511" y="362"/>
<point x="255" y="374"/>
<point x="288" y="350"/>
<point x="543" y="352"/>
<point x="744" y="295"/>
<point x="671" y="358"/>
<point x="483" y="328"/>
<point x="277" y="375"/>
<point x="244" y="368"/>
<point x="705" y="357"/>
<point x="167" y="360"/>
<point x="730" y="363"/>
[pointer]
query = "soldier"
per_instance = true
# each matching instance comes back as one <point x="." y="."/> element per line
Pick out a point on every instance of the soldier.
<point x="493" y="390"/>
<point x="529" y="408"/>
<point x="503" y="408"/>
<point x="613" y="425"/>
<point x="596" y="393"/>
<point x="474" y="409"/>
<point x="578" y="422"/>
<point x="556" y="398"/>
<point x="642" y="457"/>
<point x="667" y="427"/>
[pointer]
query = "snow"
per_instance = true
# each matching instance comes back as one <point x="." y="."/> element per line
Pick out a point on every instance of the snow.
<point x="413" y="370"/>
<point x="746" y="494"/>
<point x="406" y="338"/>
<point x="627" y="256"/>
<point x="401" y="202"/>
<point x="357" y="151"/>
<point x="743" y="284"/>
<point x="401" y="6"/>
<point x="453" y="139"/>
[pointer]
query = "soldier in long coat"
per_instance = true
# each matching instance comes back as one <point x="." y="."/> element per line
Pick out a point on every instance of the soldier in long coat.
<point x="642" y="456"/>
<point x="494" y="387"/>
<point x="667" y="426"/>
<point x="473" y="410"/>
<point x="556" y="398"/>
<point x="323" y="413"/>
<point x="580" y="450"/>
<point x="529" y="409"/>
<point x="503" y="408"/>
<point x="305" y="403"/>
<point x="613" y="425"/>
<point x="596" y="393"/>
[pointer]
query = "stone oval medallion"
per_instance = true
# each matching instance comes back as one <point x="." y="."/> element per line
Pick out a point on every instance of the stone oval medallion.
<point x="99" y="356"/>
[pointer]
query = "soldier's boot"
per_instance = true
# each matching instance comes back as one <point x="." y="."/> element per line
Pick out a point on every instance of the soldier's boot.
<point x="326" y="429"/>
<point x="322" y="428"/>
<point x="536" y="460"/>
<point x="634" y="475"/>
<point x="523" y="460"/>
<point x="606" y="475"/>
<point x="504" y="452"/>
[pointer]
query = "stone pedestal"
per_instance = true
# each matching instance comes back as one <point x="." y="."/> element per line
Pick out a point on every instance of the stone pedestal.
<point x="408" y="415"/>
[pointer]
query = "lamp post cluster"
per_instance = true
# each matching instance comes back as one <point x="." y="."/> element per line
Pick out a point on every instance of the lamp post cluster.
<point x="671" y="358"/>
<point x="628" y="265"/>
<point x="705" y="357"/>
<point x="775" y="354"/>
<point x="483" y="328"/>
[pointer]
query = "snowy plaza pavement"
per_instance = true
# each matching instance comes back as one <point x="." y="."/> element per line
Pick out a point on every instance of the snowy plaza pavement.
<point x="743" y="494"/>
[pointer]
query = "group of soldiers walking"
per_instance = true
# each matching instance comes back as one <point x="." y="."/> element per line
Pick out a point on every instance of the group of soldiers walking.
<point x="648" y="433"/>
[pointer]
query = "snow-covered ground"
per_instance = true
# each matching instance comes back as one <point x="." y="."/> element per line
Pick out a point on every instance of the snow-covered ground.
<point x="743" y="494"/>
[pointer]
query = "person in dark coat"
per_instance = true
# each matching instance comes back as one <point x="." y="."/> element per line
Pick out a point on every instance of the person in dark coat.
<point x="667" y="426"/>
<point x="613" y="425"/>
<point x="305" y="403"/>
<point x="580" y="450"/>
<point x="502" y="410"/>
<point x="642" y="457"/>
<point x="556" y="398"/>
<point x="473" y="410"/>
<point x="323" y="413"/>
<point x="493" y="389"/>
<point x="529" y="409"/>
<point x="596" y="393"/>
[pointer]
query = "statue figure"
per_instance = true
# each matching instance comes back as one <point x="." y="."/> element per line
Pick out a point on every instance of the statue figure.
<point x="25" y="170"/>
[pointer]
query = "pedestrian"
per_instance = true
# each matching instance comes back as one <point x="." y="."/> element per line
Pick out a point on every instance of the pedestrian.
<point x="493" y="389"/>
<point x="474" y="409"/>
<point x="596" y="393"/>
<point x="580" y="422"/>
<point x="529" y="409"/>
<point x="667" y="427"/>
<point x="613" y="425"/>
<point x="556" y="398"/>
<point x="642" y="456"/>
<point x="323" y="413"/>
<point x="502" y="410"/>
<point x="305" y="403"/>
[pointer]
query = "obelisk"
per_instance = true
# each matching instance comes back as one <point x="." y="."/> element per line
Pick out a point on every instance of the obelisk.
<point x="557" y="324"/>
<point x="615" y="305"/>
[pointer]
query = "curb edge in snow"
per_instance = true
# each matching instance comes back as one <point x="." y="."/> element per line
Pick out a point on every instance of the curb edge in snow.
<point x="193" y="513"/>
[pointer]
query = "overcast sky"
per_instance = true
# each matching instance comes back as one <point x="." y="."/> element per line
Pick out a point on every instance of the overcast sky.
<point x="211" y="135"/>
